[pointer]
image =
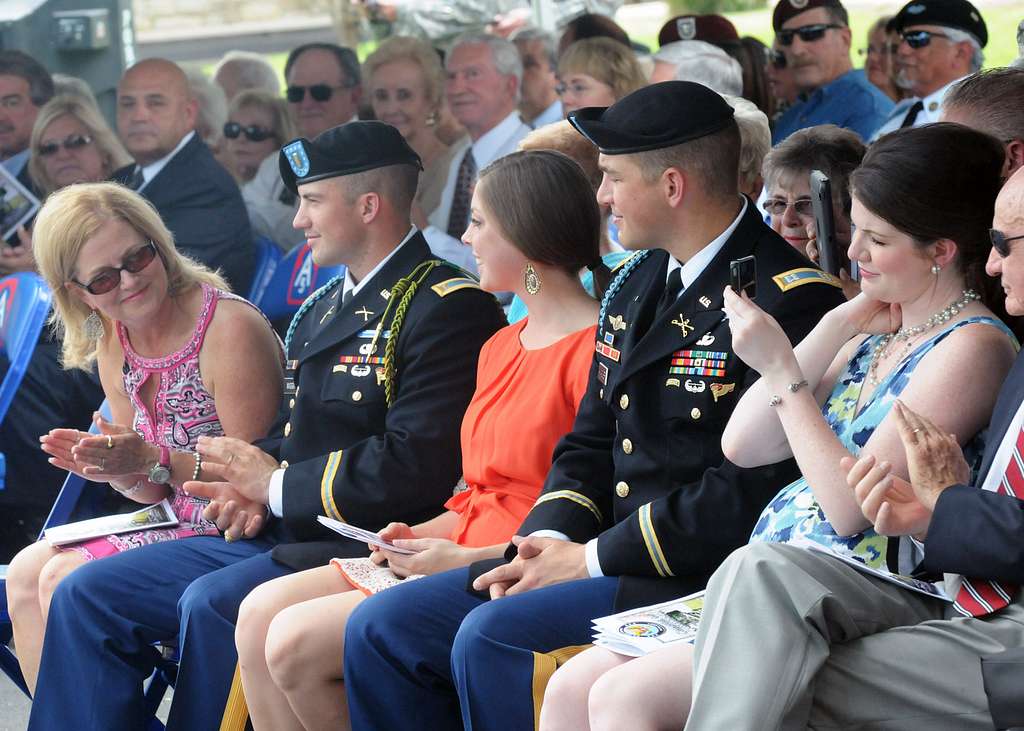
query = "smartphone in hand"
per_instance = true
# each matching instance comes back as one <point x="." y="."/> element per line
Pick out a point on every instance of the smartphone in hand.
<point x="824" y="222"/>
<point x="743" y="276"/>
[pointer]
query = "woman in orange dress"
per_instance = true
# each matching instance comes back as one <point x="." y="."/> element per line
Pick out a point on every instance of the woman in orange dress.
<point x="530" y="379"/>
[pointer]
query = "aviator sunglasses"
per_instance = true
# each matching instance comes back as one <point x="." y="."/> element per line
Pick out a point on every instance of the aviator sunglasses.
<point x="1001" y="242"/>
<point x="252" y="133"/>
<point x="110" y="277"/>
<point x="71" y="142"/>
<point x="319" y="92"/>
<point x="807" y="33"/>
<point x="921" y="38"/>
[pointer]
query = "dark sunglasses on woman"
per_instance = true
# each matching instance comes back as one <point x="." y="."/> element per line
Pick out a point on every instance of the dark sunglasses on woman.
<point x="1001" y="242"/>
<point x="252" y="132"/>
<point x="807" y="33"/>
<point x="109" y="278"/>
<point x="69" y="143"/>
<point x="921" y="38"/>
<point x="319" y="92"/>
<point x="777" y="59"/>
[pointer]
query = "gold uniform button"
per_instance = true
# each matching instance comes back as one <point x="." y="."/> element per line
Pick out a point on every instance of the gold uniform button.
<point x="296" y="391"/>
<point x="357" y="395"/>
<point x="288" y="428"/>
<point x="600" y="393"/>
<point x="695" y="413"/>
<point x="622" y="489"/>
<point x="627" y="446"/>
<point x="623" y="402"/>
<point x="291" y="404"/>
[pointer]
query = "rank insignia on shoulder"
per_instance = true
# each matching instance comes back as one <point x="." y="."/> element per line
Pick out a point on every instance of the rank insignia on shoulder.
<point x="445" y="288"/>
<point x="804" y="275"/>
<point x="607" y="351"/>
<point x="720" y="389"/>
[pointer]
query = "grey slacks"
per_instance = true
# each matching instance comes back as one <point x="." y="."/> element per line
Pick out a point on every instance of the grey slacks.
<point x="791" y="639"/>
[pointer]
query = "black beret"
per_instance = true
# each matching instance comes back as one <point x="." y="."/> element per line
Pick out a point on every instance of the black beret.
<point x="351" y="148"/>
<point x="653" y="117"/>
<point x="787" y="9"/>
<point x="958" y="14"/>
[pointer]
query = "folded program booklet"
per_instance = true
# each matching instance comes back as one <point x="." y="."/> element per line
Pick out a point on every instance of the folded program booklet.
<point x="160" y="515"/>
<point x="637" y="632"/>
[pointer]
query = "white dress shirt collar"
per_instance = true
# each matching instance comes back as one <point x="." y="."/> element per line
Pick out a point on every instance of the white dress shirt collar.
<point x="699" y="261"/>
<point x="350" y="283"/>
<point x="153" y="169"/>
<point x="486" y="148"/>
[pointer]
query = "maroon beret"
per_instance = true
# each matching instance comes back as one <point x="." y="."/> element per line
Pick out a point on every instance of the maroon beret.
<point x="709" y="28"/>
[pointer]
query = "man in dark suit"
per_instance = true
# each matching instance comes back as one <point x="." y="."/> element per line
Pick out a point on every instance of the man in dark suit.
<point x="381" y="366"/>
<point x="640" y="503"/>
<point x="176" y="172"/>
<point x="792" y="639"/>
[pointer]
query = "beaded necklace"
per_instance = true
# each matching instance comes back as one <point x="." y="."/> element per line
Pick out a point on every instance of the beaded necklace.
<point x="906" y="334"/>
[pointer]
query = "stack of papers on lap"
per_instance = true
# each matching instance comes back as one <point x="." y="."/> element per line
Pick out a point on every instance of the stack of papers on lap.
<point x="363" y="536"/>
<point x="637" y="632"/>
<point x="160" y="515"/>
<point x="907" y="582"/>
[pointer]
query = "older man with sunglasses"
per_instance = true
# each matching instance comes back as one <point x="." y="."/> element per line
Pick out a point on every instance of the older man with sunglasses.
<point x="940" y="44"/>
<point x="324" y="89"/>
<point x="815" y="37"/>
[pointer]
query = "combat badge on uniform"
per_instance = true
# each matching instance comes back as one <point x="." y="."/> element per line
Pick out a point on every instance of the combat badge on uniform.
<point x="297" y="158"/>
<point x="720" y="389"/>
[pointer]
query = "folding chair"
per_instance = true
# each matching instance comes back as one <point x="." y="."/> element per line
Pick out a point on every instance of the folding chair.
<point x="267" y="256"/>
<point x="24" y="304"/>
<point x="295" y="278"/>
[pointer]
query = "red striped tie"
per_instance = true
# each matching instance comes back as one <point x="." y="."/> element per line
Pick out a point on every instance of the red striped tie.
<point x="978" y="597"/>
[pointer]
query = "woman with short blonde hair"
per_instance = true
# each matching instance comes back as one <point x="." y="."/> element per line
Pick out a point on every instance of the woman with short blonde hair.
<point x="85" y="128"/>
<point x="597" y="72"/>
<point x="258" y="125"/>
<point x="179" y="358"/>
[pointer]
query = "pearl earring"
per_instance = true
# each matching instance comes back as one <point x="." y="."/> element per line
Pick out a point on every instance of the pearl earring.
<point x="936" y="269"/>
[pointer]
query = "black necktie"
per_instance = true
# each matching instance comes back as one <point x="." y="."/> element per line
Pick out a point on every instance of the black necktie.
<point x="459" y="215"/>
<point x="135" y="180"/>
<point x="915" y="109"/>
<point x="673" y="287"/>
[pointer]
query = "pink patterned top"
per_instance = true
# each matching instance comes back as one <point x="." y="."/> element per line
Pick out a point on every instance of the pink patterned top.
<point x="184" y="411"/>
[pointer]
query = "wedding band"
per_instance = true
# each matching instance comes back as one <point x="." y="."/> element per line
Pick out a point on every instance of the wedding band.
<point x="231" y="459"/>
<point x="103" y="463"/>
<point x="110" y="442"/>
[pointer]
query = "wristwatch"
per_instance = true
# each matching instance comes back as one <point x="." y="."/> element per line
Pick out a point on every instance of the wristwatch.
<point x="160" y="473"/>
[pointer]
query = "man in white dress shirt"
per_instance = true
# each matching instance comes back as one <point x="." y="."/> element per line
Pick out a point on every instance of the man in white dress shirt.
<point x="941" y="42"/>
<point x="540" y="104"/>
<point x="484" y="75"/>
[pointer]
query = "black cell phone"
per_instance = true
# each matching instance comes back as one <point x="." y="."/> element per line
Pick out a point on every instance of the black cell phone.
<point x="821" y="201"/>
<point x="743" y="276"/>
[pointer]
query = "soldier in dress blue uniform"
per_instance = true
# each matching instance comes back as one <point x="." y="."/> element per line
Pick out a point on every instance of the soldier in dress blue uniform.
<point x="640" y="504"/>
<point x="381" y="364"/>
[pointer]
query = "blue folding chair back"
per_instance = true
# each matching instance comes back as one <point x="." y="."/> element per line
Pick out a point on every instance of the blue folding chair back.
<point x="267" y="257"/>
<point x="295" y="278"/>
<point x="24" y="304"/>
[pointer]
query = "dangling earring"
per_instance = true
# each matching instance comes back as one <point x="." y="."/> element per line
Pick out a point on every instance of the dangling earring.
<point x="432" y="119"/>
<point x="92" y="328"/>
<point x="531" y="280"/>
<point x="936" y="269"/>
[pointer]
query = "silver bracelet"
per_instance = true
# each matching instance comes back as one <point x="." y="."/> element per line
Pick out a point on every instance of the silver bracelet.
<point x="198" y="468"/>
<point x="128" y="491"/>
<point x="775" y="400"/>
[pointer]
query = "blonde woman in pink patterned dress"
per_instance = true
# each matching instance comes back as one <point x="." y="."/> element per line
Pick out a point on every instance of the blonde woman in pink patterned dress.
<point x="179" y="357"/>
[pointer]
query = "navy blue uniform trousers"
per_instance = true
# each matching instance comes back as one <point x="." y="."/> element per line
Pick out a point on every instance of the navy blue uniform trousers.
<point x="417" y="652"/>
<point x="106" y="615"/>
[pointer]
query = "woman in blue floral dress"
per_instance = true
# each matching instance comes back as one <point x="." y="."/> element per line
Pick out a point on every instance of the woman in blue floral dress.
<point x="922" y="330"/>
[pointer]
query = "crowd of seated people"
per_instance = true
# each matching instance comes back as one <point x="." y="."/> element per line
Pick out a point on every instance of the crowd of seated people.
<point x="661" y="417"/>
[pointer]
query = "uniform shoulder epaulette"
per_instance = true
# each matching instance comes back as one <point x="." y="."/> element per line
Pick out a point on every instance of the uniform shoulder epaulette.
<point x="805" y="275"/>
<point x="445" y="288"/>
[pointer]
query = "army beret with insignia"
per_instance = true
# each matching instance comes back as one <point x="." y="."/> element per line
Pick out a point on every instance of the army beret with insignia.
<point x="350" y="148"/>
<point x="707" y="28"/>
<point x="787" y="9"/>
<point x="654" y="117"/>
<point x="958" y="14"/>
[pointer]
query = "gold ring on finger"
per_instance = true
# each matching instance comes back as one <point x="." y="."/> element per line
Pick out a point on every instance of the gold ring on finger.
<point x="110" y="442"/>
<point x="103" y="462"/>
<point x="231" y="458"/>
